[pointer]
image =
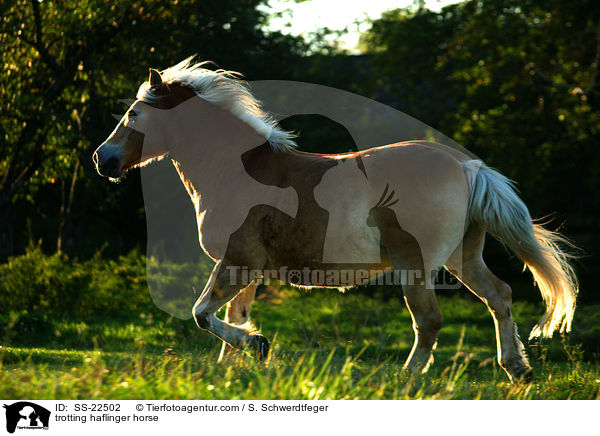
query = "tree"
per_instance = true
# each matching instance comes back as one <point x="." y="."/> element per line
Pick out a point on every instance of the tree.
<point x="67" y="64"/>
<point x="515" y="81"/>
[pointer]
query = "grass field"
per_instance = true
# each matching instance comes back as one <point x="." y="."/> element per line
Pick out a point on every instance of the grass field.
<point x="325" y="345"/>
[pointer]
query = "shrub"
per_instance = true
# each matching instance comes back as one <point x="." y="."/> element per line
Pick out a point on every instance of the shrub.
<point x="53" y="284"/>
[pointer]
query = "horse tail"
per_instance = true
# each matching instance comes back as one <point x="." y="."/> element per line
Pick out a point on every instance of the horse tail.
<point x="496" y="207"/>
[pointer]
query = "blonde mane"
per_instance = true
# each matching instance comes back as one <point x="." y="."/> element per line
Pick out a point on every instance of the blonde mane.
<point x="228" y="91"/>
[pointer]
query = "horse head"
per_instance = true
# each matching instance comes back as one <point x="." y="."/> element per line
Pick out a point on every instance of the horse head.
<point x="142" y="134"/>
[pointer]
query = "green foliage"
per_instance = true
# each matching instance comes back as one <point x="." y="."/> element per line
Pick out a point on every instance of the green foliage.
<point x="514" y="81"/>
<point x="172" y="282"/>
<point x="55" y="286"/>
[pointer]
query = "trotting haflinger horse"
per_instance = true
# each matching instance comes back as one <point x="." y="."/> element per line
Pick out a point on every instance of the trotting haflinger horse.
<point x="262" y="205"/>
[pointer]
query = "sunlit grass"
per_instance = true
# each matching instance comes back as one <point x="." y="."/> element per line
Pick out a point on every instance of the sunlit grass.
<point x="325" y="346"/>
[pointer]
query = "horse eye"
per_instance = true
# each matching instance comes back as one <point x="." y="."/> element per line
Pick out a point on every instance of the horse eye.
<point x="132" y="113"/>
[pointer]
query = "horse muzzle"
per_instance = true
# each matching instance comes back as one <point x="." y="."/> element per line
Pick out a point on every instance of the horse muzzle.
<point x="109" y="167"/>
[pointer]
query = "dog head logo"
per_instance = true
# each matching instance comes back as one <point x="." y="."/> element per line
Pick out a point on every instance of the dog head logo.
<point x="26" y="415"/>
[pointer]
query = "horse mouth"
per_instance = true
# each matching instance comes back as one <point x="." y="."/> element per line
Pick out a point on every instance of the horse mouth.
<point x="110" y="168"/>
<point x="114" y="174"/>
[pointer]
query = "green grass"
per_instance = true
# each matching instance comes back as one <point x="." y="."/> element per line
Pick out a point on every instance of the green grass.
<point x="325" y="345"/>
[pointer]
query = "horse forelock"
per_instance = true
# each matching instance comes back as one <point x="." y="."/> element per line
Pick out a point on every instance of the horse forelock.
<point x="220" y="87"/>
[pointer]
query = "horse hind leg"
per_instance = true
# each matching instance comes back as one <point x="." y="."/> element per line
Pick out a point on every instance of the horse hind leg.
<point x="497" y="295"/>
<point x="238" y="311"/>
<point x="427" y="323"/>
<point x="405" y="254"/>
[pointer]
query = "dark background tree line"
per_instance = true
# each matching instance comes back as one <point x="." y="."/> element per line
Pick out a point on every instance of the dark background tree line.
<point x="514" y="81"/>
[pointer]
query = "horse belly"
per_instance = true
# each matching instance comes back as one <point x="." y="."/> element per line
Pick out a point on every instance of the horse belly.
<point x="350" y="240"/>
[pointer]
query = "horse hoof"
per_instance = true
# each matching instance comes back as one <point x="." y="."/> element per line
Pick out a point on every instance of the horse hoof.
<point x="261" y="345"/>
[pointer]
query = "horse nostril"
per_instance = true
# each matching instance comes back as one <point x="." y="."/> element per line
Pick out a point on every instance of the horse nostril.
<point x="110" y="168"/>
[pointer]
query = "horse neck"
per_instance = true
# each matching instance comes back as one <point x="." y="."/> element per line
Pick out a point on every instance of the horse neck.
<point x="210" y="168"/>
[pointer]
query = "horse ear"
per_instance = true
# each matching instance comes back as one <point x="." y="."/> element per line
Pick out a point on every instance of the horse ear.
<point x="155" y="78"/>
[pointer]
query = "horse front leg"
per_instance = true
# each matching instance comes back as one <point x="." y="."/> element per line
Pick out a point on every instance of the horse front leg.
<point x="220" y="289"/>
<point x="238" y="311"/>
